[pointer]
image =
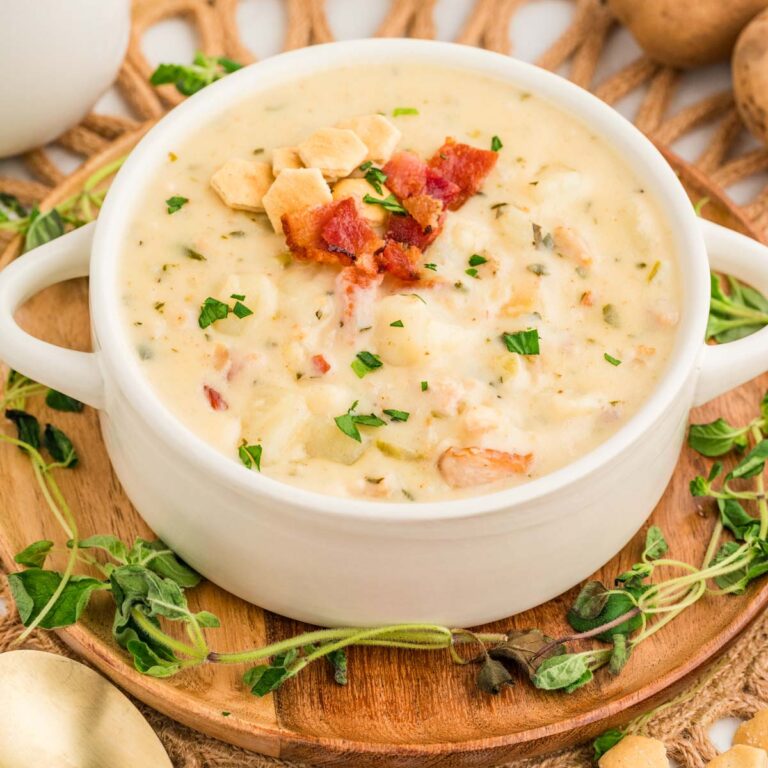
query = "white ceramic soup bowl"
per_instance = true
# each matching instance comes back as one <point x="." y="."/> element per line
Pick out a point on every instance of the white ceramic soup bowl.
<point x="334" y="560"/>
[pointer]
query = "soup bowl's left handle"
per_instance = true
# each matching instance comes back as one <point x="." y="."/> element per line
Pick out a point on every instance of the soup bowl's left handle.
<point x="75" y="373"/>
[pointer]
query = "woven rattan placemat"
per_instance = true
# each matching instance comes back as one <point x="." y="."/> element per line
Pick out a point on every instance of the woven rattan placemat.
<point x="739" y="684"/>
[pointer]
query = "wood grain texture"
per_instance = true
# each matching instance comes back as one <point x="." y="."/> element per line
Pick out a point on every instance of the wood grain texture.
<point x="400" y="709"/>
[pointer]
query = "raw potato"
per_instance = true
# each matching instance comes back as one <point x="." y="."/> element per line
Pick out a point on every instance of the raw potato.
<point x="750" y="76"/>
<point x="292" y="190"/>
<point x="335" y="151"/>
<point x="241" y="184"/>
<point x="357" y="189"/>
<point x="686" y="33"/>
<point x="740" y="756"/>
<point x="636" y="752"/>
<point x="377" y="133"/>
<point x="754" y="732"/>
<point x="285" y="157"/>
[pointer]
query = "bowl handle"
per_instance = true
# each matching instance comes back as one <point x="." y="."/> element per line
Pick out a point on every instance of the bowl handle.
<point x="75" y="373"/>
<point x="725" y="366"/>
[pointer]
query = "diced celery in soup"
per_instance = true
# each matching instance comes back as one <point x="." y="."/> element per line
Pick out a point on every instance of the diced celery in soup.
<point x="400" y="283"/>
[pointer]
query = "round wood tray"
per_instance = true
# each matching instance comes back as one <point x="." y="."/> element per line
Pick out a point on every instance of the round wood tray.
<point x="399" y="709"/>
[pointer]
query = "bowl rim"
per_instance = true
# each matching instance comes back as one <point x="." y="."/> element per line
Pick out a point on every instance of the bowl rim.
<point x="120" y="365"/>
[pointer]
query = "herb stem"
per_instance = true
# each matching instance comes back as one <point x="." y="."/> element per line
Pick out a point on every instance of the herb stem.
<point x="159" y="636"/>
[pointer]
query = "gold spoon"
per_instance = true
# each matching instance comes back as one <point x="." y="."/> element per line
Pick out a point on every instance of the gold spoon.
<point x="57" y="712"/>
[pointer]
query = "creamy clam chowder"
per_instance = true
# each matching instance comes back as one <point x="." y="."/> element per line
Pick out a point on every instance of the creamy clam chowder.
<point x="399" y="283"/>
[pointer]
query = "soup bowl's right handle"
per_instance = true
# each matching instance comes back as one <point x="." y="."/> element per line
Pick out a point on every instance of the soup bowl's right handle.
<point x="725" y="366"/>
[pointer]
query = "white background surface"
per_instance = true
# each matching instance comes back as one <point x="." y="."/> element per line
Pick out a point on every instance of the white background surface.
<point x="534" y="28"/>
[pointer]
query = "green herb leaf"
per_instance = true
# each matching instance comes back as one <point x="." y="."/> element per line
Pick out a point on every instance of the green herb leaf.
<point x="699" y="486"/>
<point x="753" y="463"/>
<point x="159" y="558"/>
<point x="43" y="228"/>
<point x="496" y="144"/>
<point x="475" y="260"/>
<point x="207" y="619"/>
<point x="240" y="310"/>
<point x="424" y="386"/>
<point x="61" y="402"/>
<point x="610" y="359"/>
<point x="368" y="420"/>
<point x="396" y="324"/>
<point x="27" y="426"/>
<point x="176" y="203"/>
<point x="190" y="79"/>
<point x="35" y="554"/>
<point x="431" y="266"/>
<point x="265" y="678"/>
<point x="655" y="544"/>
<point x="110" y="544"/>
<point x="527" y="649"/>
<point x="493" y="676"/>
<point x="250" y="455"/>
<point x="364" y="363"/>
<point x="736" y="520"/>
<point x="606" y="741"/>
<point x="33" y="588"/>
<point x="617" y="604"/>
<point x="620" y="655"/>
<point x="375" y="177"/>
<point x="716" y="438"/>
<point x="522" y="342"/>
<point x="472" y="272"/>
<point x="565" y="672"/>
<point x="211" y="311"/>
<point x="398" y="111"/>
<point x="739" y="313"/>
<point x="397" y="415"/>
<point x="191" y="253"/>
<point x="60" y="446"/>
<point x="590" y="601"/>
<point x="146" y="659"/>
<point x="388" y="203"/>
<point x="346" y="424"/>
<point x="338" y="660"/>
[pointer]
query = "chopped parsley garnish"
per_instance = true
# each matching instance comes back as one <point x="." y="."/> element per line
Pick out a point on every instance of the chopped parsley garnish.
<point x="388" y="203"/>
<point x="240" y="310"/>
<point x="213" y="310"/>
<point x="431" y="266"/>
<point x="475" y="260"/>
<point x="193" y="254"/>
<point x="496" y="144"/>
<point x="397" y="111"/>
<point x="190" y="79"/>
<point x="612" y="360"/>
<point x="522" y="342"/>
<point x="250" y="455"/>
<point x="424" y="386"/>
<point x="374" y="176"/>
<point x="176" y="203"/>
<point x="364" y="363"/>
<point x="348" y="422"/>
<point x="396" y="415"/>
<point x="396" y="324"/>
<point x="472" y="272"/>
<point x="238" y="296"/>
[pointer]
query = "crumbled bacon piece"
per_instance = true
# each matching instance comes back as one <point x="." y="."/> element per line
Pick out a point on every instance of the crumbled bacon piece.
<point x="405" y="229"/>
<point x="425" y="209"/>
<point x="465" y="166"/>
<point x="218" y="403"/>
<point x="409" y="176"/>
<point x="321" y="364"/>
<point x="347" y="232"/>
<point x="400" y="260"/>
<point x="334" y="233"/>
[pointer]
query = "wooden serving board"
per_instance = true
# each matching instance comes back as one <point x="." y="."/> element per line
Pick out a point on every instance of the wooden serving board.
<point x="400" y="708"/>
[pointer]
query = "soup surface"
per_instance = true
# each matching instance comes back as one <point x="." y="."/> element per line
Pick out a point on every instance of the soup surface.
<point x="496" y="340"/>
